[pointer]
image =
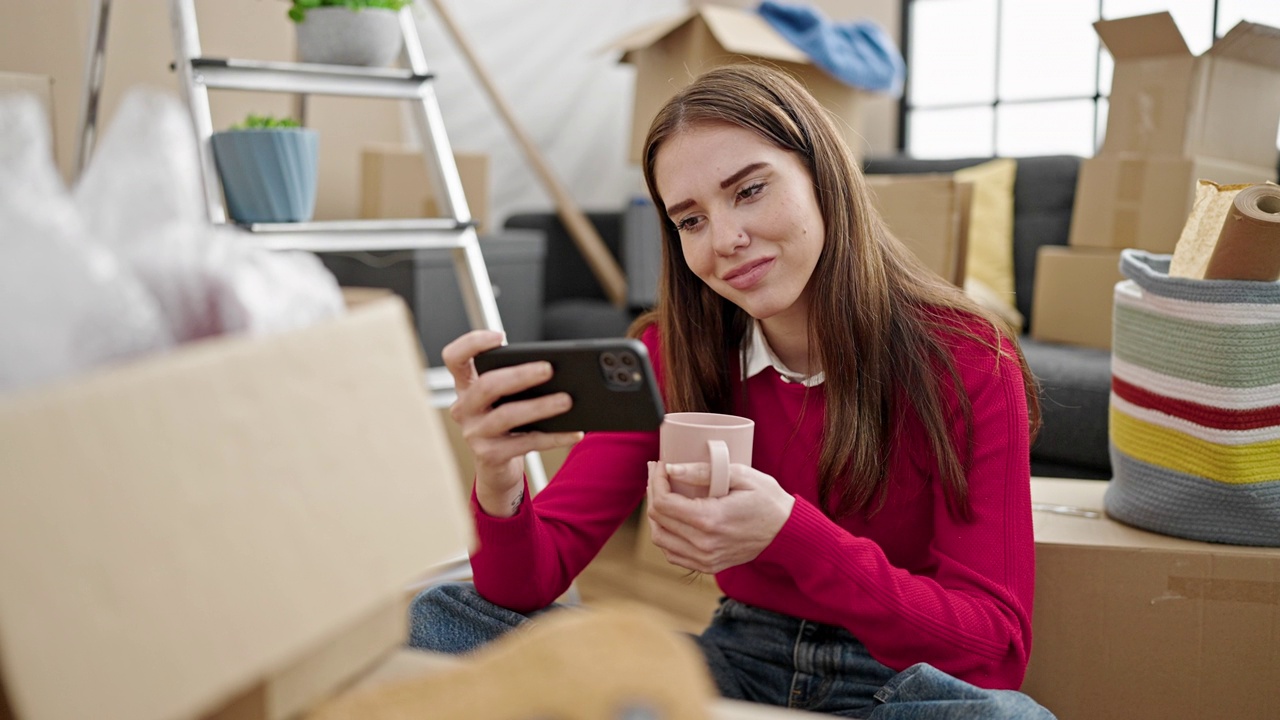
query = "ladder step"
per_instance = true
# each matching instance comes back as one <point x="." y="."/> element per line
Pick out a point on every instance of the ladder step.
<point x="363" y="235"/>
<point x="305" y="78"/>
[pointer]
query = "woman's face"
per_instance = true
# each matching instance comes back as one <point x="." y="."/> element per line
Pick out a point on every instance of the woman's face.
<point x="747" y="214"/>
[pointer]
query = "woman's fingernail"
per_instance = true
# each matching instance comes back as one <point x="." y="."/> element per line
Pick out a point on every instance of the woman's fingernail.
<point x="675" y="470"/>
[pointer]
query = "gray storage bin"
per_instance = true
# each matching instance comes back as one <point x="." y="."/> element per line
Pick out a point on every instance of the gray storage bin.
<point x="427" y="281"/>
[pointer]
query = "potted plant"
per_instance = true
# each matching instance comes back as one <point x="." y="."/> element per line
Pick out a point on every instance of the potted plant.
<point x="348" y="32"/>
<point x="268" y="169"/>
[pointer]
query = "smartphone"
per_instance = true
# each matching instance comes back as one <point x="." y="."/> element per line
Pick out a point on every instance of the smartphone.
<point x="611" y="382"/>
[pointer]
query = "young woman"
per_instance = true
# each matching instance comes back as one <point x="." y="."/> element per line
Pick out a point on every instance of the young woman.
<point x="877" y="560"/>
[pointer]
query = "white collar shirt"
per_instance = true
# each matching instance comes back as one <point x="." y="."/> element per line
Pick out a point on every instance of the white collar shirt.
<point x="757" y="355"/>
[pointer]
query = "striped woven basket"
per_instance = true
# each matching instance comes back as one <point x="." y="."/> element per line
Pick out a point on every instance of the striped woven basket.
<point x="1195" y="405"/>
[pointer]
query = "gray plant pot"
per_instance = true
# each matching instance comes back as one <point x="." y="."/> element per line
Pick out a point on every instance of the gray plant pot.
<point x="337" y="36"/>
<point x="268" y="176"/>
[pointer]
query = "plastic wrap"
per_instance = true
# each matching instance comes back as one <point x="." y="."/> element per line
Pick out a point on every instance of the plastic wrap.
<point x="142" y="195"/>
<point x="66" y="304"/>
<point x="128" y="262"/>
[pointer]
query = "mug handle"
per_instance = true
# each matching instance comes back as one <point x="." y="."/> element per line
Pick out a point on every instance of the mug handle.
<point x="719" y="468"/>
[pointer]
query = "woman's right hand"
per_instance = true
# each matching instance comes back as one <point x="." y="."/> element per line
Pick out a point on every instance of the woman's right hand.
<point x="499" y="452"/>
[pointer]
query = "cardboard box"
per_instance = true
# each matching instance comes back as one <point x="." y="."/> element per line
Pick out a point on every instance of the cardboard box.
<point x="929" y="213"/>
<point x="394" y="183"/>
<point x="1224" y="104"/>
<point x="1133" y="625"/>
<point x="668" y="54"/>
<point x="1129" y="200"/>
<point x="1074" y="288"/>
<point x="38" y="86"/>
<point x="227" y="527"/>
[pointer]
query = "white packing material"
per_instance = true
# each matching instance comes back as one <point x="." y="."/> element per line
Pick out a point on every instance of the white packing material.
<point x="142" y="195"/>
<point x="66" y="303"/>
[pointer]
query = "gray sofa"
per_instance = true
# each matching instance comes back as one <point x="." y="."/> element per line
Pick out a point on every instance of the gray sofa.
<point x="1075" y="381"/>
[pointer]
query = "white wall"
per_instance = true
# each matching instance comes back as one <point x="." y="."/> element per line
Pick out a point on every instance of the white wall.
<point x="547" y="58"/>
<point x="570" y="94"/>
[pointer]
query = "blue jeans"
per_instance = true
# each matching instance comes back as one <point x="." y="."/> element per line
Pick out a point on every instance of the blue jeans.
<point x="758" y="656"/>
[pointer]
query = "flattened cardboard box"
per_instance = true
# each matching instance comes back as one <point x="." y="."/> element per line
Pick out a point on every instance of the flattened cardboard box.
<point x="1074" y="294"/>
<point x="176" y="530"/>
<point x="1129" y="200"/>
<point x="1224" y="104"/>
<point x="668" y="54"/>
<point x="1132" y="625"/>
<point x="929" y="213"/>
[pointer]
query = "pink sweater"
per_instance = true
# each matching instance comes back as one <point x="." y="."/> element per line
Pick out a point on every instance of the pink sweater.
<point x="912" y="583"/>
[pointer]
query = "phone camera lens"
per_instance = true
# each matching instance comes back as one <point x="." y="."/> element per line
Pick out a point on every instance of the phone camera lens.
<point x="609" y="360"/>
<point x="628" y="360"/>
<point x="622" y="376"/>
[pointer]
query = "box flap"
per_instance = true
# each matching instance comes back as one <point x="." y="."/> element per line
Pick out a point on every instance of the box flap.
<point x="741" y="32"/>
<point x="175" y="529"/>
<point x="747" y="33"/>
<point x="1251" y="43"/>
<point x="647" y="35"/>
<point x="1142" y="36"/>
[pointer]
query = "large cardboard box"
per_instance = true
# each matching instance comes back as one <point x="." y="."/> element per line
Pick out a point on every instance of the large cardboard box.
<point x="394" y="183"/>
<point x="1224" y="104"/>
<point x="228" y="528"/>
<point x="1131" y="625"/>
<point x="1074" y="288"/>
<point x="929" y="213"/>
<point x="670" y="53"/>
<point x="1130" y="200"/>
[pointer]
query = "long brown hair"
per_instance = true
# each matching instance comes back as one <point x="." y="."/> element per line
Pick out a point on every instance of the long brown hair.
<point x="876" y="315"/>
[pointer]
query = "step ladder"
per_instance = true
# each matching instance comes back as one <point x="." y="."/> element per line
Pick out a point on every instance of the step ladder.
<point x="455" y="232"/>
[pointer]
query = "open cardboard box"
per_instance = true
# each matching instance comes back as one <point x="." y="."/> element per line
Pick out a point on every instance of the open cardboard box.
<point x="670" y="53"/>
<point x="1223" y="104"/>
<point x="1134" y="625"/>
<point x="224" y="530"/>
<point x="1175" y="118"/>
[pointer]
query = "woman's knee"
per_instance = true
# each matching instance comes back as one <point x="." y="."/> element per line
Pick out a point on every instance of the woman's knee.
<point x="453" y="618"/>
<point x="949" y="697"/>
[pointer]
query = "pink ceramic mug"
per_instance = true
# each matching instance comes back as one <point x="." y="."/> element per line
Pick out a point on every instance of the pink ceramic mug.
<point x="691" y="437"/>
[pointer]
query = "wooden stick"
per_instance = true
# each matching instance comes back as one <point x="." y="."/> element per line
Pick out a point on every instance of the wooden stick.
<point x="602" y="263"/>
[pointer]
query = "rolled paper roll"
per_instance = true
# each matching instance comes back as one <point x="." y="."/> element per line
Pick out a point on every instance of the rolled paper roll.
<point x="1248" y="246"/>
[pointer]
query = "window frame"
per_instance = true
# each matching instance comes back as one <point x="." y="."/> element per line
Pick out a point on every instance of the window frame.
<point x="905" y="107"/>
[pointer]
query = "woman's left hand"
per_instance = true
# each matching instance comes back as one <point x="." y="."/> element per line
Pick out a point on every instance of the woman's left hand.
<point x="711" y="534"/>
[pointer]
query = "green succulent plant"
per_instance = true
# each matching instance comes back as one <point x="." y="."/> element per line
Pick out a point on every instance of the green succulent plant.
<point x="298" y="12"/>
<point x="265" y="122"/>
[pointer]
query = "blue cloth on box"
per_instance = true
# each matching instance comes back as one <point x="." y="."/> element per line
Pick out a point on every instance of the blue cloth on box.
<point x="859" y="53"/>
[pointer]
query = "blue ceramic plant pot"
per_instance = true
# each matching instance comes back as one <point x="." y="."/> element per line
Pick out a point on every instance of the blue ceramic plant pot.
<point x="268" y="176"/>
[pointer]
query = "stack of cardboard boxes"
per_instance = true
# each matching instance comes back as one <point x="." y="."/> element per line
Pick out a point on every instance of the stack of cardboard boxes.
<point x="1174" y="118"/>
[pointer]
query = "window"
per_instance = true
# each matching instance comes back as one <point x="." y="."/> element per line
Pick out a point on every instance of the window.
<point x="1029" y="77"/>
